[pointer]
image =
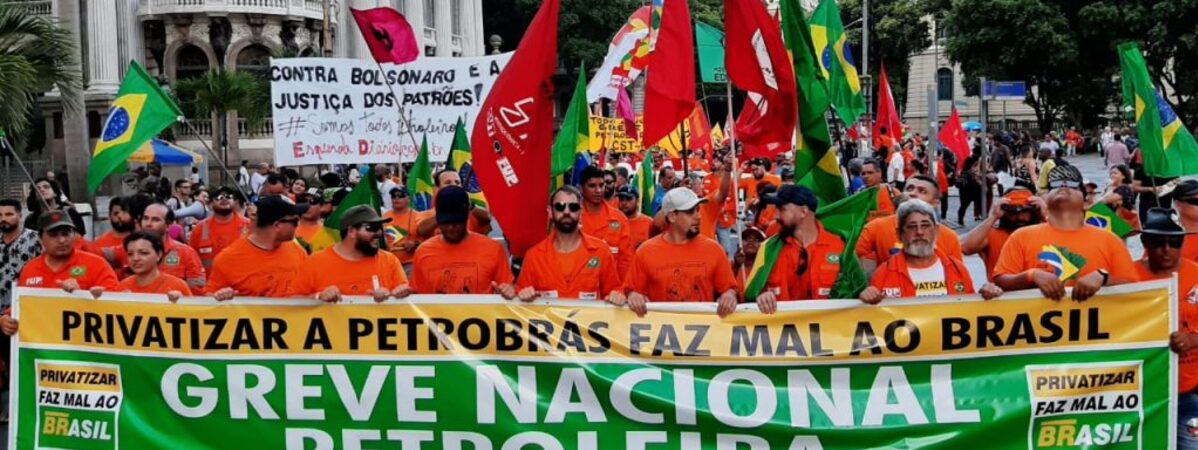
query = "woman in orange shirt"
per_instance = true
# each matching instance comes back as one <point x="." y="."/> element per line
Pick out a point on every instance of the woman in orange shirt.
<point x="145" y="250"/>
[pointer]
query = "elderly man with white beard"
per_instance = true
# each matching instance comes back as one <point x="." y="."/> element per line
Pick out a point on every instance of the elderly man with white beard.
<point x="921" y="270"/>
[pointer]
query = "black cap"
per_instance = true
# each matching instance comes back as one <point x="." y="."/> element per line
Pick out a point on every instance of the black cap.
<point x="272" y="208"/>
<point x="627" y="192"/>
<point x="794" y="194"/>
<point x="1186" y="189"/>
<point x="1162" y="222"/>
<point x="360" y="214"/>
<point x="453" y="205"/>
<point x="50" y="220"/>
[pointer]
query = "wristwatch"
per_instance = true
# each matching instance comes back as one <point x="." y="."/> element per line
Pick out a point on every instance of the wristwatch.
<point x="1106" y="275"/>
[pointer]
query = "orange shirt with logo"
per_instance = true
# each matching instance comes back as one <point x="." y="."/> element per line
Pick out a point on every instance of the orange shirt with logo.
<point x="880" y="240"/>
<point x="211" y="236"/>
<point x="807" y="273"/>
<point x="161" y="285"/>
<point x="885" y="202"/>
<point x="697" y="271"/>
<point x="254" y="272"/>
<point x="588" y="273"/>
<point x="639" y="228"/>
<point x="328" y="268"/>
<point x="87" y="269"/>
<point x="468" y="267"/>
<point x="1187" y="308"/>
<point x="894" y="279"/>
<point x="184" y="263"/>
<point x="1099" y="248"/>
<point x="610" y="225"/>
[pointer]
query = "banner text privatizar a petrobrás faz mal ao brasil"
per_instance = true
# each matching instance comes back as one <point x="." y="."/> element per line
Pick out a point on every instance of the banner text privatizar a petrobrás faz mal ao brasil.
<point x="136" y="372"/>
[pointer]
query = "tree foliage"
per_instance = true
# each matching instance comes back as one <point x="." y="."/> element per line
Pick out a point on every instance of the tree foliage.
<point x="897" y="30"/>
<point x="35" y="57"/>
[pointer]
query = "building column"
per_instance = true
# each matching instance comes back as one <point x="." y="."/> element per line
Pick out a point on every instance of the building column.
<point x="103" y="67"/>
<point x="414" y="12"/>
<point x="75" y="141"/>
<point x="444" y="23"/>
<point x="481" y="46"/>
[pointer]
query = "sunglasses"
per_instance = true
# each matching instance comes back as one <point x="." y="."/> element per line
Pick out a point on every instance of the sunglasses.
<point x="573" y="207"/>
<point x="1065" y="184"/>
<point x="399" y="195"/>
<point x="1158" y="241"/>
<point x="372" y="227"/>
<point x="224" y="196"/>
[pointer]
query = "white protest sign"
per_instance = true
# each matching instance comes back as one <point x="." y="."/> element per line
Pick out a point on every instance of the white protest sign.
<point x="341" y="111"/>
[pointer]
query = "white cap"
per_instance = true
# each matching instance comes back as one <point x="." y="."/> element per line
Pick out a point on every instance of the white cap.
<point x="680" y="199"/>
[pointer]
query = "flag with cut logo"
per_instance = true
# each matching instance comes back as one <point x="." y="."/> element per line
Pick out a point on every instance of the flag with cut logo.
<point x="388" y="34"/>
<point x="140" y="111"/>
<point x="1169" y="150"/>
<point x="462" y="161"/>
<point x="757" y="62"/>
<point x="420" y="180"/>
<point x="1101" y="216"/>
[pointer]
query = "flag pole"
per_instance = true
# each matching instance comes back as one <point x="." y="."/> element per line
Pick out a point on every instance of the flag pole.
<point x="399" y="107"/>
<point x="734" y="173"/>
<point x="25" y="170"/>
<point x="224" y="168"/>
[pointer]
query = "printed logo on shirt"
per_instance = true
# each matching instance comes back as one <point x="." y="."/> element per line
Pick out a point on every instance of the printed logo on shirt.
<point x="929" y="288"/>
<point x="615" y="225"/>
<point x="892" y="292"/>
<point x="78" y="271"/>
<point x="593" y="262"/>
<point x="172" y="259"/>
<point x="898" y="247"/>
<point x="832" y="258"/>
<point x="205" y="250"/>
<point x="1192" y="297"/>
<point x="960" y="287"/>
<point x="34" y="281"/>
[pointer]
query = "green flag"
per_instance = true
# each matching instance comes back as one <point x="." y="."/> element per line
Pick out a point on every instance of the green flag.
<point x="365" y="193"/>
<point x="846" y="218"/>
<point x="1168" y="147"/>
<point x="140" y="111"/>
<point x="420" y="180"/>
<point x="461" y="160"/>
<point x="709" y="41"/>
<point x="646" y="185"/>
<point x="1101" y="216"/>
<point x="816" y="165"/>
<point x="575" y="135"/>
<point x="832" y="46"/>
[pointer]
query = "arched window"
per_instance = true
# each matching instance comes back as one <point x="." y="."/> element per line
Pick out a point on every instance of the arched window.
<point x="254" y="59"/>
<point x="944" y="84"/>
<point x="192" y="62"/>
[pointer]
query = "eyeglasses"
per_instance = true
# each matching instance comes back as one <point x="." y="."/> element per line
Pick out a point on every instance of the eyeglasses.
<point x="561" y="207"/>
<point x="1158" y="241"/>
<point x="372" y="227"/>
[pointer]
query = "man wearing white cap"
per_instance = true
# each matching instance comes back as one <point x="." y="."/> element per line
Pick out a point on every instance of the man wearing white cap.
<point x="696" y="269"/>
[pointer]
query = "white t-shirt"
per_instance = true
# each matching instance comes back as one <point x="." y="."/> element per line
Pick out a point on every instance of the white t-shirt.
<point x="243" y="177"/>
<point x="256" y="182"/>
<point x="929" y="281"/>
<point x="895" y="167"/>
<point x="385" y="188"/>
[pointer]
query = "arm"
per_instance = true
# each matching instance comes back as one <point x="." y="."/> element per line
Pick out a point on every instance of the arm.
<point x="484" y="219"/>
<point x="426" y="227"/>
<point x="975" y="241"/>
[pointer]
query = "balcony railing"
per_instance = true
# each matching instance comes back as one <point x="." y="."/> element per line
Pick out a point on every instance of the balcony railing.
<point x="39" y="7"/>
<point x="264" y="129"/>
<point x="312" y="9"/>
<point x="203" y="129"/>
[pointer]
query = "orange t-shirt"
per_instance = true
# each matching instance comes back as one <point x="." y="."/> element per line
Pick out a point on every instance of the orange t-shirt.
<point x="709" y="215"/>
<point x="880" y="240"/>
<point x="610" y="225"/>
<point x="161" y="285"/>
<point x="108" y="239"/>
<point x="1189" y="247"/>
<point x="727" y="219"/>
<point x="328" y="268"/>
<point x="87" y="269"/>
<point x="894" y="277"/>
<point x="211" y="236"/>
<point x="822" y="261"/>
<point x="307" y="231"/>
<point x="885" y="202"/>
<point x="255" y="272"/>
<point x="467" y="267"/>
<point x="697" y="271"/>
<point x="184" y="263"/>
<point x="1099" y="249"/>
<point x="639" y="228"/>
<point x="995" y="239"/>
<point x="1187" y="308"/>
<point x="406" y="224"/>
<point x="588" y="273"/>
<point x="749" y="185"/>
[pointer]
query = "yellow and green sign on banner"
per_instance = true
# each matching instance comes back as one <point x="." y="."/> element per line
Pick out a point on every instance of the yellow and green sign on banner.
<point x="476" y="372"/>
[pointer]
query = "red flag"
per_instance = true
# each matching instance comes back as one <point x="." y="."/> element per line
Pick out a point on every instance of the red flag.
<point x="887" y="114"/>
<point x="699" y="129"/>
<point x="757" y="61"/>
<point x="670" y="84"/>
<point x="513" y="134"/>
<point x="624" y="109"/>
<point x="388" y="35"/>
<point x="952" y="136"/>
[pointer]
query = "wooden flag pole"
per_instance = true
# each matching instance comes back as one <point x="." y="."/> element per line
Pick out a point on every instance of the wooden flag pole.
<point x="735" y="170"/>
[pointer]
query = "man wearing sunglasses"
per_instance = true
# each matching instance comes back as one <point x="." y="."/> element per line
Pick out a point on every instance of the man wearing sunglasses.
<point x="264" y="262"/>
<point x="1064" y="252"/>
<point x="354" y="266"/>
<point x="1162" y="236"/>
<point x="458" y="261"/>
<point x="809" y="262"/>
<point x="227" y="225"/>
<point x="569" y="264"/>
<point x="405" y="219"/>
<point x="681" y="265"/>
<point x="604" y="221"/>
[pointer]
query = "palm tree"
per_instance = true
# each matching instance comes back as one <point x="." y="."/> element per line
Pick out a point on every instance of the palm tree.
<point x="220" y="92"/>
<point x="35" y="57"/>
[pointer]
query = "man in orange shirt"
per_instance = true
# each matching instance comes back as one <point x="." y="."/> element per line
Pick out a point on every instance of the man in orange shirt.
<point x="458" y="261"/>
<point x="1016" y="209"/>
<point x="605" y="221"/>
<point x="809" y="262"/>
<point x="121" y="219"/>
<point x="1064" y="251"/>
<point x="759" y="172"/>
<point x="479" y="220"/>
<point x="180" y="260"/>
<point x="227" y="225"/>
<point x="609" y="187"/>
<point x="354" y="266"/>
<point x="405" y="219"/>
<point x="680" y="265"/>
<point x="871" y="174"/>
<point x="263" y="263"/>
<point x="714" y="196"/>
<point x="879" y="239"/>
<point x="311" y="222"/>
<point x="921" y="270"/>
<point x="640" y="225"/>
<point x="568" y="263"/>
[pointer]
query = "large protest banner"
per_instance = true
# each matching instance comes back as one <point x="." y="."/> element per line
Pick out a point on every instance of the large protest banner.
<point x="341" y="111"/>
<point x="477" y="373"/>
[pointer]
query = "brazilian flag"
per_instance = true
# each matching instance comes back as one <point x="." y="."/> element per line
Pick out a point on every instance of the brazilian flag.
<point x="1100" y="215"/>
<point x="1168" y="147"/>
<point x="140" y="111"/>
<point x="420" y="180"/>
<point x="462" y="161"/>
<point x="832" y="47"/>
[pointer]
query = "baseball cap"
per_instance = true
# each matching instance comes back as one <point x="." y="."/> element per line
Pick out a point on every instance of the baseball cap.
<point x="453" y="205"/>
<point x="50" y="220"/>
<point x="680" y="199"/>
<point x="627" y="192"/>
<point x="794" y="194"/>
<point x="361" y="214"/>
<point x="273" y="208"/>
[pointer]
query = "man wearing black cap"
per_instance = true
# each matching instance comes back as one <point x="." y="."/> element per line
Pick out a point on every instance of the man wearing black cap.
<point x="265" y="261"/>
<point x="227" y="225"/>
<point x="459" y="261"/>
<point x="639" y="225"/>
<point x="1186" y="196"/>
<point x="1063" y="251"/>
<point x="354" y="266"/>
<point x="809" y="262"/>
<point x="479" y="220"/>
